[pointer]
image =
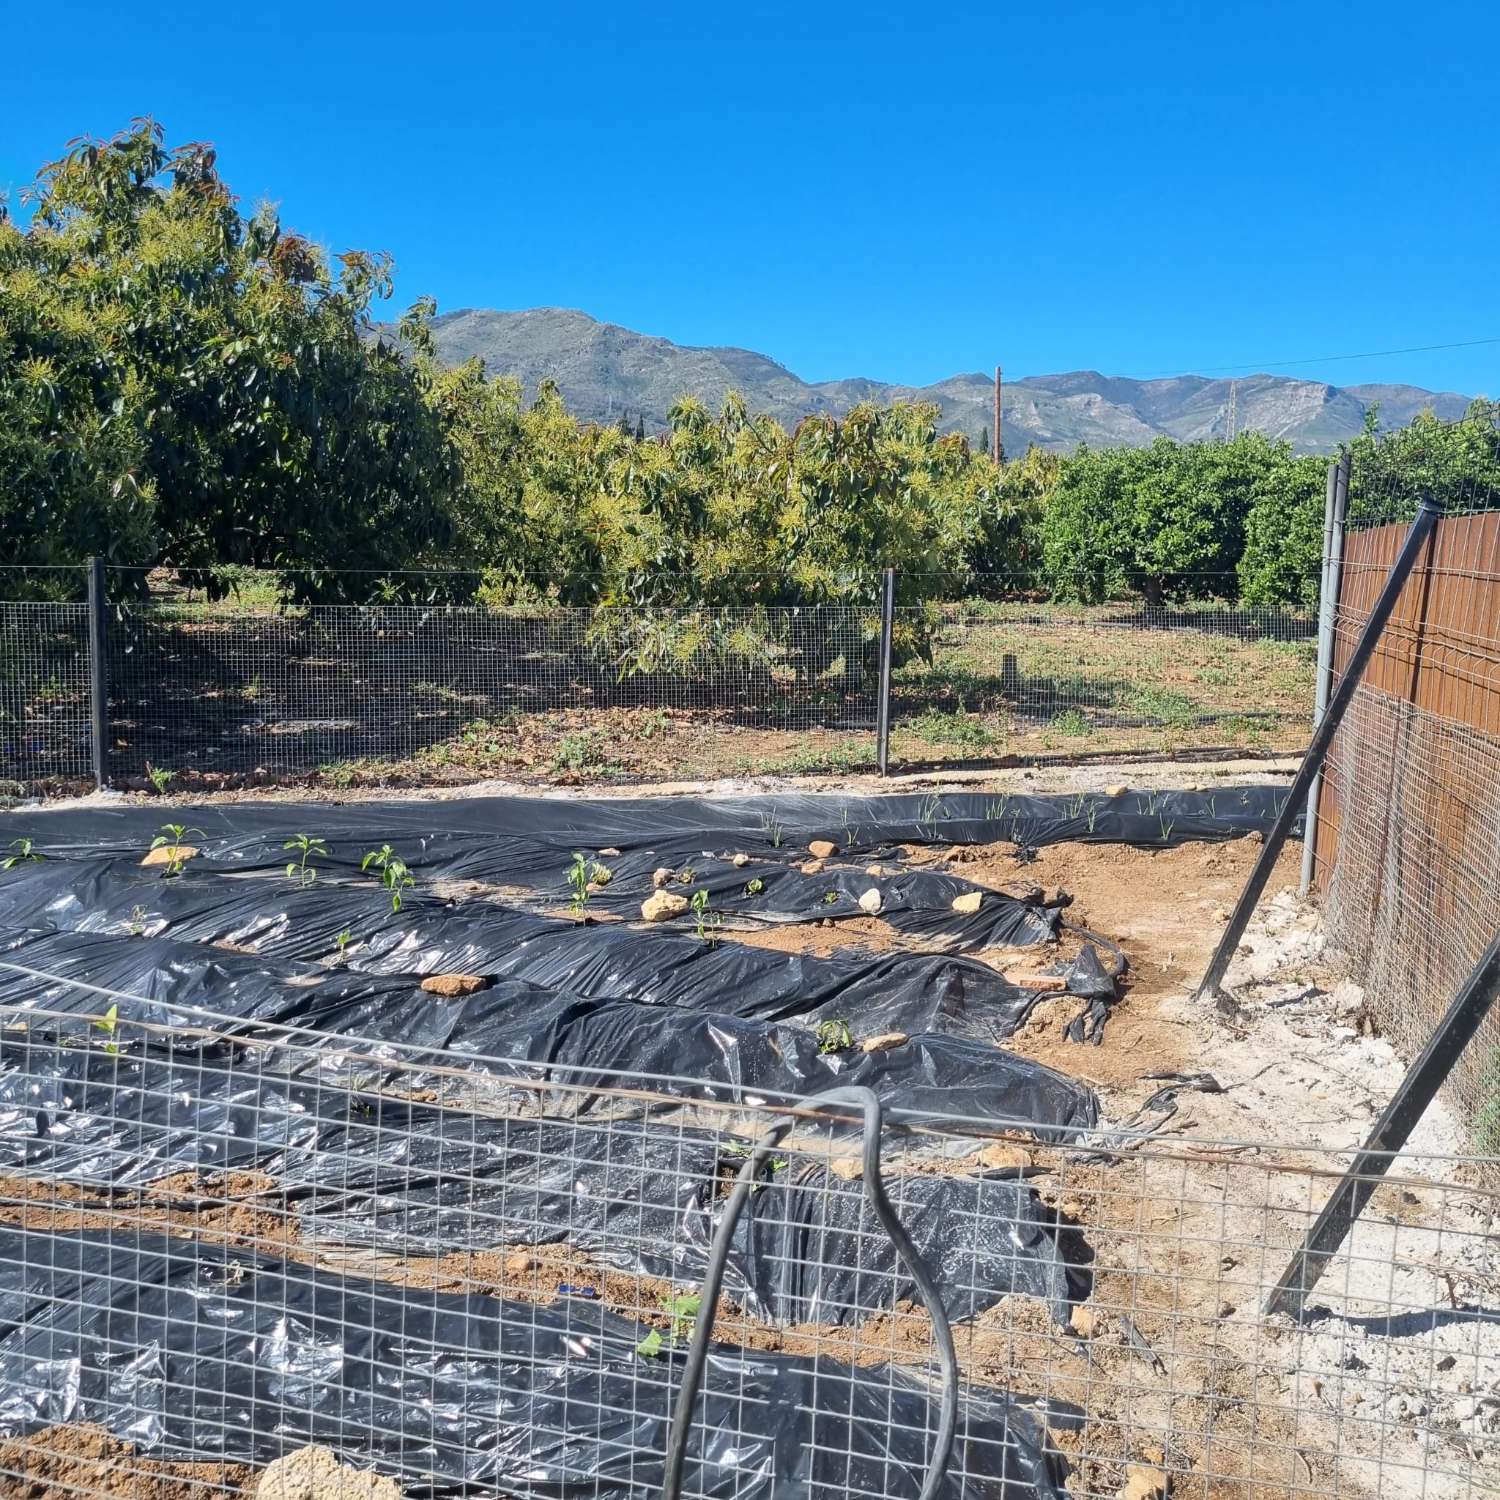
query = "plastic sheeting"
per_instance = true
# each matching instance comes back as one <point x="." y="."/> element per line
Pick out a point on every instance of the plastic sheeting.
<point x="493" y="837"/>
<point x="549" y="1033"/>
<point x="196" y="1351"/>
<point x="897" y="991"/>
<point x="361" y="1169"/>
<point x="528" y="843"/>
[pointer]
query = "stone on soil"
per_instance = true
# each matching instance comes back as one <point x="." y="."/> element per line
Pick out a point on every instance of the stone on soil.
<point x="661" y="877"/>
<point x="167" y="854"/>
<point x="822" y="849"/>
<point x="885" y="1041"/>
<point x="316" y="1474"/>
<point x="871" y="901"/>
<point x="455" y="984"/>
<point x="663" y="906"/>
<point x="968" y="903"/>
<point x="1144" y="1482"/>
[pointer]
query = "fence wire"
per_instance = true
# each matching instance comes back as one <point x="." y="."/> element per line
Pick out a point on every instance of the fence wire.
<point x="1409" y="821"/>
<point x="44" y="693"/>
<point x="220" y="1246"/>
<point x="248" y="684"/>
<point x="198" y="686"/>
<point x="1031" y="677"/>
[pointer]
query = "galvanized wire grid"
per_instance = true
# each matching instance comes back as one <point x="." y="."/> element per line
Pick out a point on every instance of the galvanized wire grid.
<point x="201" y="685"/>
<point x="44" y="691"/>
<point x="1094" y="677"/>
<point x="1409" y="828"/>
<point x="464" y="1271"/>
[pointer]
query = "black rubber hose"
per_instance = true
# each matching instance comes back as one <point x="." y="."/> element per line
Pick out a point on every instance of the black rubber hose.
<point x="718" y="1254"/>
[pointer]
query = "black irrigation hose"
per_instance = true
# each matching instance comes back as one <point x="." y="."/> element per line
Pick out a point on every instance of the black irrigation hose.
<point x="692" y="1371"/>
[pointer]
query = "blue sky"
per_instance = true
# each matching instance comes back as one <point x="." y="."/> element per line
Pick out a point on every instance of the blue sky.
<point x="902" y="192"/>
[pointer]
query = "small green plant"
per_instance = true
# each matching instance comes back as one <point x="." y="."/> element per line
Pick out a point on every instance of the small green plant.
<point x="342" y="940"/>
<point x="25" y="852"/>
<point x="137" y="921"/>
<point x="578" y="881"/>
<point x="830" y="898"/>
<point x="393" y="873"/>
<point x="106" y="1023"/>
<point x="307" y="847"/>
<point x="834" y="1036"/>
<point x="754" y="886"/>
<point x="585" y="876"/>
<point x="159" y="777"/>
<point x="686" y="876"/>
<point x="682" y="1308"/>
<point x="171" y="839"/>
<point x="708" y="922"/>
<point x="1167" y="825"/>
<point x="1073" y="725"/>
<point x="773" y="828"/>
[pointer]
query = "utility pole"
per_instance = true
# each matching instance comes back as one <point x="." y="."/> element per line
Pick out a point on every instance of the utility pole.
<point x="1234" y="407"/>
<point x="999" y="438"/>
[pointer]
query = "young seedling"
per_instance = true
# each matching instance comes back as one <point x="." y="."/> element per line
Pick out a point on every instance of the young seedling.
<point x="754" y="886"/>
<point x="24" y="852"/>
<point x="830" y="898"/>
<point x="137" y="921"/>
<point x="394" y="875"/>
<point x="160" y="778"/>
<point x="578" y="882"/>
<point x="708" y="922"/>
<point x="307" y="848"/>
<point x="773" y="828"/>
<point x="342" y="940"/>
<point x="106" y="1024"/>
<point x="834" y="1036"/>
<point x="171" y="839"/>
<point x="682" y="1309"/>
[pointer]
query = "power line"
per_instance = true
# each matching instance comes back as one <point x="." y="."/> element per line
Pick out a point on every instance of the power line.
<point x="1310" y="359"/>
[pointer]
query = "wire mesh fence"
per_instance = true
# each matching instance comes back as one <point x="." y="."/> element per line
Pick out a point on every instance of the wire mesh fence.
<point x="193" y="685"/>
<point x="222" y="1243"/>
<point x="1026" y="676"/>
<point x="44" y="692"/>
<point x="210" y="684"/>
<point x="1409" y="822"/>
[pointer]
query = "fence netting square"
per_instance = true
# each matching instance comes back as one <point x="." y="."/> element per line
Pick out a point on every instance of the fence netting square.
<point x="222" y="1244"/>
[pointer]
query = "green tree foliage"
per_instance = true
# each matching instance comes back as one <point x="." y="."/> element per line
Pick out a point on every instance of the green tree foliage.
<point x="184" y="385"/>
<point x="1168" y="521"/>
<point x="1457" y="463"/>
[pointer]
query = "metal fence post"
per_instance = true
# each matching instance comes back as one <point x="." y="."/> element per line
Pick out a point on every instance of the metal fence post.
<point x="1409" y="1103"/>
<point x="99" y="671"/>
<point x="1335" y="512"/>
<point x="1338" y="704"/>
<point x="883" y="703"/>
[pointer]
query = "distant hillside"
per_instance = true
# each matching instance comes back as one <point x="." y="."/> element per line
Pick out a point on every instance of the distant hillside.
<point x="605" y="371"/>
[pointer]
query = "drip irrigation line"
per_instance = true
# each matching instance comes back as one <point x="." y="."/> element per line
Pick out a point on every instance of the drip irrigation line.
<point x="692" y="1374"/>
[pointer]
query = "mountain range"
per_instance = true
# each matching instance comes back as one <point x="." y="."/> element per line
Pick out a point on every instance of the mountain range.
<point x="607" y="373"/>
